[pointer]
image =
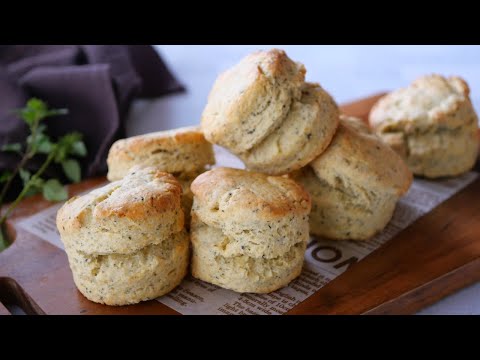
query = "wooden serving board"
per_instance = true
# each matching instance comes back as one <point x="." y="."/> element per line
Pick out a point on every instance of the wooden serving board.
<point x="436" y="255"/>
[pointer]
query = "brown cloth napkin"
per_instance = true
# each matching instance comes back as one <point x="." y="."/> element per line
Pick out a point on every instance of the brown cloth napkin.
<point x="96" y="83"/>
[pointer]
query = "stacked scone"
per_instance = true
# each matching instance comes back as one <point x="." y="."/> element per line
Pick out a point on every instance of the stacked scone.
<point x="126" y="241"/>
<point x="263" y="111"/>
<point x="249" y="230"/>
<point x="431" y="124"/>
<point x="183" y="152"/>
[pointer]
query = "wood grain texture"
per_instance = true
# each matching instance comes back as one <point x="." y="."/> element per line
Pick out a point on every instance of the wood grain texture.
<point x="437" y="255"/>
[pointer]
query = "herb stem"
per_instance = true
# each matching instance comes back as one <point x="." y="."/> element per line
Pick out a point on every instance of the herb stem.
<point x="3" y="241"/>
<point x="26" y="156"/>
<point x="58" y="152"/>
<point x="5" y="188"/>
<point x="27" y="186"/>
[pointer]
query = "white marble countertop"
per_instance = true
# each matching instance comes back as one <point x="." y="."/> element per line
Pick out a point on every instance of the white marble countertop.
<point x="347" y="72"/>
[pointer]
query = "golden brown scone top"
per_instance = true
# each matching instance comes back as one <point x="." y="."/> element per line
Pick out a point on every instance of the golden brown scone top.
<point x="429" y="101"/>
<point x="249" y="195"/>
<point x="144" y="193"/>
<point x="166" y="140"/>
<point x="358" y="156"/>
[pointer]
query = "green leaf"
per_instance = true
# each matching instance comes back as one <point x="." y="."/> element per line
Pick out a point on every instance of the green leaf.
<point x="65" y="145"/>
<point x="5" y="176"/>
<point x="35" y="186"/>
<point x="14" y="147"/>
<point x="41" y="128"/>
<point x="45" y="146"/>
<point x="24" y="175"/>
<point x="70" y="138"/>
<point x="31" y="140"/>
<point x="37" y="182"/>
<point x="28" y="116"/>
<point x="54" y="191"/>
<point x="40" y="143"/>
<point x="36" y="110"/>
<point x="60" y="154"/>
<point x="37" y="105"/>
<point x="72" y="170"/>
<point x="78" y="148"/>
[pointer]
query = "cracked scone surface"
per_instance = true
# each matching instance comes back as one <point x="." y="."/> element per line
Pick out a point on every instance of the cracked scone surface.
<point x="126" y="241"/>
<point x="242" y="217"/>
<point x="263" y="111"/>
<point x="431" y="124"/>
<point x="303" y="135"/>
<point x="248" y="101"/>
<point x="354" y="184"/>
<point x="123" y="216"/>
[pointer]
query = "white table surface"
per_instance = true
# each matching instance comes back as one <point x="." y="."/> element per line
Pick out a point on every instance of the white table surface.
<point x="347" y="72"/>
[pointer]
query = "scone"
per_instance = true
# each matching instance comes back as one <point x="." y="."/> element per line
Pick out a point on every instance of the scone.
<point x="263" y="111"/>
<point x="249" y="230"/>
<point x="183" y="152"/>
<point x="431" y="124"/>
<point x="304" y="134"/>
<point x="355" y="184"/>
<point x="251" y="99"/>
<point x="126" y="241"/>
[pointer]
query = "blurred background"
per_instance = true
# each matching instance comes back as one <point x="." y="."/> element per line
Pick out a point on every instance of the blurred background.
<point x="347" y="72"/>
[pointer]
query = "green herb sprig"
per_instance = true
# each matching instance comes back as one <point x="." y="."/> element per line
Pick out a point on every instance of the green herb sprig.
<point x="38" y="142"/>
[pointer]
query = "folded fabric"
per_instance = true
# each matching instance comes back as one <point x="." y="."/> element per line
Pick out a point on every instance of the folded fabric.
<point x="96" y="83"/>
